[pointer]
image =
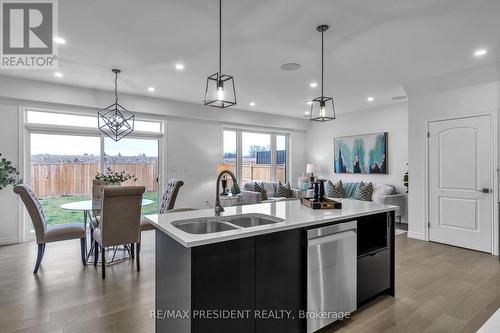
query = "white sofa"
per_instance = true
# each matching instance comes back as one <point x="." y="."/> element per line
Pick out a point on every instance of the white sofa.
<point x="249" y="196"/>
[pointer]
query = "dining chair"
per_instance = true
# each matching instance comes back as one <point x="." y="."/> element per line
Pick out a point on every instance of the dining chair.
<point x="167" y="201"/>
<point x="49" y="233"/>
<point x="120" y="221"/>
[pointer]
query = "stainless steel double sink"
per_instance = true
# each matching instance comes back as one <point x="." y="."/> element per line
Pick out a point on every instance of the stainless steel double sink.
<point x="207" y="225"/>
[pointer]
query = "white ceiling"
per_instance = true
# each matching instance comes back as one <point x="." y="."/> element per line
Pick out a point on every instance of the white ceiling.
<point x="372" y="48"/>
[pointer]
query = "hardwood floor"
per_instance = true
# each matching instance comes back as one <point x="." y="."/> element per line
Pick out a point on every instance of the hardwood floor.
<point x="439" y="289"/>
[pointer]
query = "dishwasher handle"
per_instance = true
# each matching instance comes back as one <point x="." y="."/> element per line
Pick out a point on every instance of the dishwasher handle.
<point x="331" y="238"/>
<point x="331" y="229"/>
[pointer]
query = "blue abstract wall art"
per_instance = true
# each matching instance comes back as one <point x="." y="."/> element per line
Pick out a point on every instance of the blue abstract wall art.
<point x="361" y="154"/>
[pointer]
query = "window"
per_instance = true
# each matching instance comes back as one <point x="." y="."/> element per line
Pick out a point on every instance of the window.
<point x="281" y="158"/>
<point x="230" y="153"/>
<point x="140" y="158"/>
<point x="62" y="160"/>
<point x="256" y="156"/>
<point x="62" y="169"/>
<point x="76" y="120"/>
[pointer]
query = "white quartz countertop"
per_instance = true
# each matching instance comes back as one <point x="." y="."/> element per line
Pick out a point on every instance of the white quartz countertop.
<point x="294" y="214"/>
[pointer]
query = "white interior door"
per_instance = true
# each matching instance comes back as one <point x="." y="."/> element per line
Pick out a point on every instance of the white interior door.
<point x="461" y="182"/>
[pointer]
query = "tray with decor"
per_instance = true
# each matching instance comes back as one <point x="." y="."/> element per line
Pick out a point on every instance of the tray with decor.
<point x="325" y="204"/>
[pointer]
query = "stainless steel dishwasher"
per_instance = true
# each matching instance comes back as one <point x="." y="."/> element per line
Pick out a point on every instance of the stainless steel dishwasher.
<point x="331" y="273"/>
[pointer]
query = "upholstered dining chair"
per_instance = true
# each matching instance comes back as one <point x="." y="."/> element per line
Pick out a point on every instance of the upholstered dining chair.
<point x="167" y="201"/>
<point x="120" y="221"/>
<point x="45" y="233"/>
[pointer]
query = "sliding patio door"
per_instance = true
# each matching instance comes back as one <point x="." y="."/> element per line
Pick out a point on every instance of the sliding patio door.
<point x="62" y="167"/>
<point x="138" y="157"/>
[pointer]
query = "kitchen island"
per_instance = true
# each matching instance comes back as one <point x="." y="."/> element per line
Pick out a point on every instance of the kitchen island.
<point x="229" y="274"/>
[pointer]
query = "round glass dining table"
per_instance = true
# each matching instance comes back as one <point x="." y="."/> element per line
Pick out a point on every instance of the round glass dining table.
<point x="88" y="207"/>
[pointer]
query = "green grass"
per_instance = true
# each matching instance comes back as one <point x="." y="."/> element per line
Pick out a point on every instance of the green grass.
<point x="54" y="214"/>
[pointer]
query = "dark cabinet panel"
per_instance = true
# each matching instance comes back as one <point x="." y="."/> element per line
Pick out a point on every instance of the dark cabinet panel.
<point x="280" y="276"/>
<point x="374" y="274"/>
<point x="223" y="279"/>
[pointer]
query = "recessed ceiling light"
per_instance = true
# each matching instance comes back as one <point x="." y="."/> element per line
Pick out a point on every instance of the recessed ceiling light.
<point x="58" y="74"/>
<point x="151" y="89"/>
<point x="309" y="102"/>
<point x="307" y="112"/>
<point x="179" y="67"/>
<point x="252" y="103"/>
<point x="370" y="99"/>
<point x="59" y="40"/>
<point x="290" y="66"/>
<point x="313" y="85"/>
<point x="480" y="52"/>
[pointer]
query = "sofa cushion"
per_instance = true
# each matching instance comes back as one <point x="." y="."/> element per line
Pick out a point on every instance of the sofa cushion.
<point x="364" y="192"/>
<point x="335" y="190"/>
<point x="350" y="190"/>
<point x="380" y="191"/>
<point x="261" y="189"/>
<point x="247" y="186"/>
<point x="283" y="191"/>
<point x="270" y="188"/>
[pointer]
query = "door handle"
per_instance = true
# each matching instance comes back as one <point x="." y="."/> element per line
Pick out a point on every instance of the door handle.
<point x="484" y="190"/>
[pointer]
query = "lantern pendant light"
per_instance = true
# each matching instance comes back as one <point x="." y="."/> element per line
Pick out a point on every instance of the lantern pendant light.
<point x="115" y="121"/>
<point x="220" y="91"/>
<point x="322" y="108"/>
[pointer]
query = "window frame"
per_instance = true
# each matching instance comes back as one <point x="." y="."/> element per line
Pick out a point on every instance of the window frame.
<point x="239" y="156"/>
<point x="26" y="129"/>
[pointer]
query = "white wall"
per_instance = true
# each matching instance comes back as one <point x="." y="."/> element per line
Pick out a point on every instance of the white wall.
<point x="193" y="136"/>
<point x="392" y="119"/>
<point x="9" y="148"/>
<point x="426" y="106"/>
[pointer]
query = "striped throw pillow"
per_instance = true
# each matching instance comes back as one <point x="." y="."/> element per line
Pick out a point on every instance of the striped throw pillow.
<point x="283" y="191"/>
<point x="335" y="190"/>
<point x="364" y="192"/>
<point x="261" y="189"/>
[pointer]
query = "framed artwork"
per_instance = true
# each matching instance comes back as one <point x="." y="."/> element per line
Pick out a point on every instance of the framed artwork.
<point x="361" y="154"/>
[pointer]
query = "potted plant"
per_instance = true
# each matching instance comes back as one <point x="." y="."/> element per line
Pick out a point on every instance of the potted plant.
<point x="110" y="178"/>
<point x="8" y="174"/>
<point x="405" y="181"/>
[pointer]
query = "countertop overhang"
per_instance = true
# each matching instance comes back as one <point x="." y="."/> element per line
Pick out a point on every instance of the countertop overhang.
<point x="294" y="214"/>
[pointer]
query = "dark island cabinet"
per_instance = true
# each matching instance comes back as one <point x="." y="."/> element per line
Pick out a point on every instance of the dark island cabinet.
<point x="280" y="266"/>
<point x="223" y="285"/>
<point x="259" y="282"/>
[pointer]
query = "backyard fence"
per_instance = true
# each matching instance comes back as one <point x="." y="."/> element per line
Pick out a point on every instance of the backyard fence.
<point x="61" y="179"/>
<point x="262" y="172"/>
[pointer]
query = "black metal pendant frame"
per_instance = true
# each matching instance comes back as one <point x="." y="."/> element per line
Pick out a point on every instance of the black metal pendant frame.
<point x="323" y="101"/>
<point x="213" y="83"/>
<point x="115" y="121"/>
<point x="219" y="79"/>
<point x="315" y="113"/>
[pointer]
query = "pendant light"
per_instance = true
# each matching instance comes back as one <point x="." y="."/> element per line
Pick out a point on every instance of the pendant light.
<point x="320" y="108"/>
<point x="220" y="91"/>
<point x="115" y="121"/>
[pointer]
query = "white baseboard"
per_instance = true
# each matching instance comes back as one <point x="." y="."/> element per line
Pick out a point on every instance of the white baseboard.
<point x="8" y="240"/>
<point x="416" y="235"/>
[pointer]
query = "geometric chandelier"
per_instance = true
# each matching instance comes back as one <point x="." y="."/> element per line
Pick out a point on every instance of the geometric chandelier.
<point x="115" y="121"/>
<point x="220" y="91"/>
<point x="323" y="107"/>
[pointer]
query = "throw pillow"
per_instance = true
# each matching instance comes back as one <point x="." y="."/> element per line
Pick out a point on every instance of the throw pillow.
<point x="335" y="190"/>
<point x="283" y="191"/>
<point x="261" y="189"/>
<point x="364" y="192"/>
